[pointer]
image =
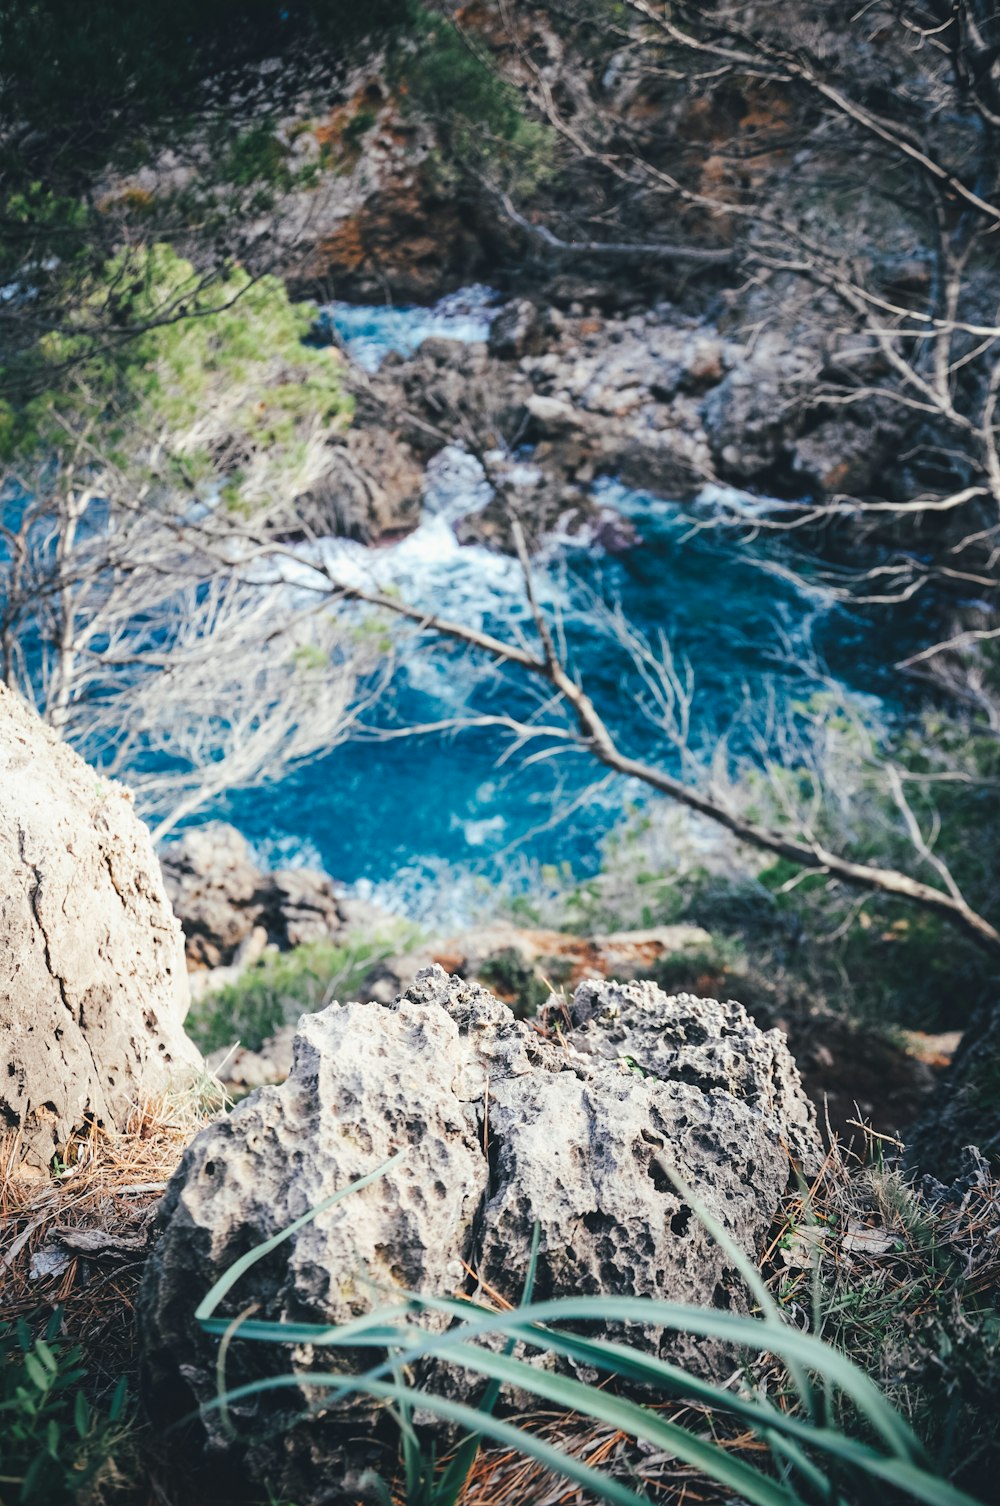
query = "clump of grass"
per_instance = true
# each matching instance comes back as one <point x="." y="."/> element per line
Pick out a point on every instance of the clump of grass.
<point x="800" y="1421"/>
<point x="283" y="985"/>
<point x="906" y="1279"/>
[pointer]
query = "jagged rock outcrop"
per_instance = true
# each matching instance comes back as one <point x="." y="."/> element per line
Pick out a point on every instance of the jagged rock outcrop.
<point x="518" y="330"/>
<point x="504" y="1126"/>
<point x="221" y="895"/>
<point x="660" y="399"/>
<point x="373" y="217"/>
<point x="370" y="489"/>
<point x="759" y="437"/>
<point x="93" y="990"/>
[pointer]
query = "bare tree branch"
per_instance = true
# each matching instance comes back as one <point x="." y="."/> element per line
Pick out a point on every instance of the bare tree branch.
<point x="595" y="737"/>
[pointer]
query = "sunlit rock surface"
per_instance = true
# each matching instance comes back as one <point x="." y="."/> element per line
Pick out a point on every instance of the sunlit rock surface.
<point x="93" y="989"/>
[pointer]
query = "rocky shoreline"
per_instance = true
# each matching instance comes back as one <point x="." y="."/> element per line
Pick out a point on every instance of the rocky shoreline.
<point x="661" y="400"/>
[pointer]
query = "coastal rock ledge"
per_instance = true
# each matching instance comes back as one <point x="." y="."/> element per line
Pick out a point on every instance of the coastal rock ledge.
<point x="93" y="989"/>
<point x="574" y="1125"/>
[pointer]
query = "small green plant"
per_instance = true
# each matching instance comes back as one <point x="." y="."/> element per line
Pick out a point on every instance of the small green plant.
<point x="358" y="127"/>
<point x="834" y="1437"/>
<point x="518" y="981"/>
<point x="283" y="985"/>
<point x="256" y="156"/>
<point x="54" y="1443"/>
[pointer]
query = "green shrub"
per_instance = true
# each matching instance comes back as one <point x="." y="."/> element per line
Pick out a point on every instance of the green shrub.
<point x="358" y="127"/>
<point x="222" y="398"/>
<point x="54" y="1443"/>
<point x="256" y="156"/>
<point x="481" y="117"/>
<point x="283" y="985"/>
<point x="525" y="986"/>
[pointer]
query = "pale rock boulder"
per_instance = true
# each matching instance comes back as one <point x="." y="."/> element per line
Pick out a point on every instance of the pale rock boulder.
<point x="576" y="1127"/>
<point x="93" y="989"/>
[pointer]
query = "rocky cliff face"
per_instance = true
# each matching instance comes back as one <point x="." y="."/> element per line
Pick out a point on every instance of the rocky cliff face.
<point x="665" y="375"/>
<point x="93" y="990"/>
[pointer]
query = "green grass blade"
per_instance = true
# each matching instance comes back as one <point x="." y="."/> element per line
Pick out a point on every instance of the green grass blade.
<point x="574" y="1396"/>
<point x="413" y="1461"/>
<point x="449" y="1488"/>
<point x="638" y="1421"/>
<point x="454" y="1478"/>
<point x="920" y="1483"/>
<point x="786" y="1453"/>
<point x="631" y="1364"/>
<point x="751" y="1275"/>
<point x="759" y="1334"/>
<point x="364" y="1331"/>
<point x="553" y="1458"/>
<point x="632" y="1418"/>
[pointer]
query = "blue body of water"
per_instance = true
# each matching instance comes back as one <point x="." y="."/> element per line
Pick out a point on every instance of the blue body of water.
<point x="391" y="816"/>
<point x="368" y="332"/>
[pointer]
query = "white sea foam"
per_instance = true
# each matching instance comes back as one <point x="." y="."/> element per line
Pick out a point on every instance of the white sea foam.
<point x="286" y="852"/>
<point x="370" y="332"/>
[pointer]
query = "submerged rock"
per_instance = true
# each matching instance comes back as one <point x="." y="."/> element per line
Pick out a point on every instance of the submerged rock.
<point x="93" y="990"/>
<point x="575" y="1129"/>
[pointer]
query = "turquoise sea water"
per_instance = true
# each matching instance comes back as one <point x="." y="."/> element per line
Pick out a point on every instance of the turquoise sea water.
<point x="393" y="817"/>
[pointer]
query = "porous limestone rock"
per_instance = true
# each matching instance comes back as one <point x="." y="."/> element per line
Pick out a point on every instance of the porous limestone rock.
<point x="93" y="990"/>
<point x="504" y="1125"/>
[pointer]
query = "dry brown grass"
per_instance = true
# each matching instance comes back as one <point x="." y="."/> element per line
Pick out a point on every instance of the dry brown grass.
<point x="77" y="1239"/>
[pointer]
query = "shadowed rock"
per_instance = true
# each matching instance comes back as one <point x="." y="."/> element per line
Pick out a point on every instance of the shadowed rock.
<point x="220" y="895"/>
<point x="965" y="1111"/>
